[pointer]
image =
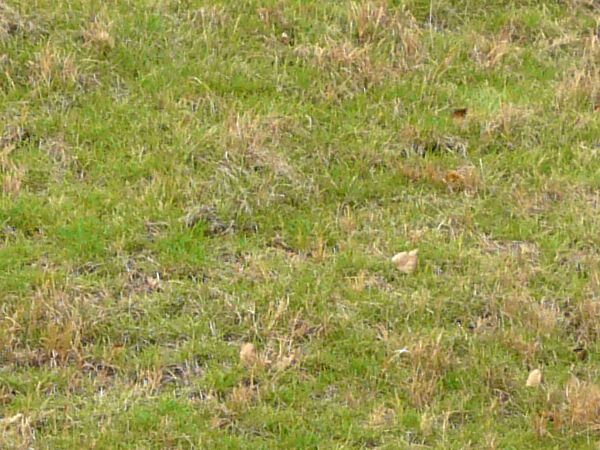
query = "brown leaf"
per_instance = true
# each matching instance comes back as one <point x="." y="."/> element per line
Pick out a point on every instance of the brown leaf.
<point x="583" y="404"/>
<point x="534" y="379"/>
<point x="462" y="179"/>
<point x="453" y="177"/>
<point x="460" y="114"/>
<point x="406" y="262"/>
<point x="248" y="355"/>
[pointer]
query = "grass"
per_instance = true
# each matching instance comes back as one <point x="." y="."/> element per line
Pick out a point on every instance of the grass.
<point x="201" y="199"/>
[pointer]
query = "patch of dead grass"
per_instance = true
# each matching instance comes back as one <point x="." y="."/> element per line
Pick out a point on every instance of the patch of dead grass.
<point x="13" y="23"/>
<point x="155" y="379"/>
<point x="462" y="179"/>
<point x="396" y="29"/>
<point x="580" y="84"/>
<point x="541" y="317"/>
<point x="591" y="5"/>
<point x="12" y="136"/>
<point x="97" y="34"/>
<point x="12" y="174"/>
<point x="242" y="396"/>
<point x="490" y="53"/>
<point x="510" y="248"/>
<point x="350" y="68"/>
<point x="417" y="144"/>
<point x="582" y="319"/>
<point x="53" y="327"/>
<point x="508" y="121"/>
<point x="588" y="197"/>
<point x="12" y="180"/>
<point x="582" y="404"/>
<point x="539" y="201"/>
<point x="366" y="281"/>
<point x="17" y="432"/>
<point x="138" y="282"/>
<point x="576" y="409"/>
<point x="256" y="170"/>
<point x="50" y="65"/>
<point x="527" y="349"/>
<point x="252" y="141"/>
<point x="382" y="417"/>
<point x="57" y="148"/>
<point x="428" y="361"/>
<point x="208" y="214"/>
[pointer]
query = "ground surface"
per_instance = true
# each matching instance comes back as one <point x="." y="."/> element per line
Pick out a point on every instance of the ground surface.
<point x="181" y="179"/>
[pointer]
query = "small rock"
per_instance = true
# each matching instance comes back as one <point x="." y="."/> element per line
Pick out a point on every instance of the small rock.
<point x="406" y="262"/>
<point x="534" y="379"/>
<point x="248" y="355"/>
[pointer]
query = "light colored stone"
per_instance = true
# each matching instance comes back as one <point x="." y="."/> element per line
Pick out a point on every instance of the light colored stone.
<point x="406" y="262"/>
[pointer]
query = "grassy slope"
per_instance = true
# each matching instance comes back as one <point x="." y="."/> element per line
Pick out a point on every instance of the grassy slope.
<point x="305" y="143"/>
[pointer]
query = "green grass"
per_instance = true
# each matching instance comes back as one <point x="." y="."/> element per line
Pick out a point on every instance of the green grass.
<point x="182" y="177"/>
